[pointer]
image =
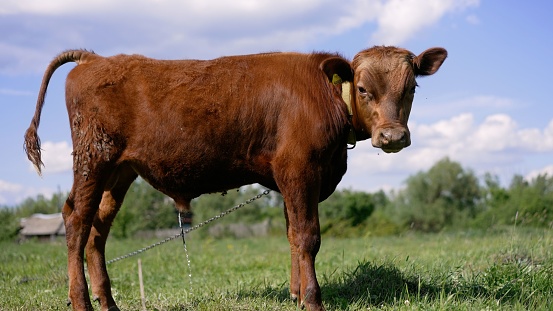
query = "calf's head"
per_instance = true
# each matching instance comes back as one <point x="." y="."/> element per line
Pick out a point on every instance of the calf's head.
<point x="382" y="92"/>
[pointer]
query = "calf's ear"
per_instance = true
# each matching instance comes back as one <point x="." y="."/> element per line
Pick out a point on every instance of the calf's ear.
<point x="429" y="61"/>
<point x="337" y="66"/>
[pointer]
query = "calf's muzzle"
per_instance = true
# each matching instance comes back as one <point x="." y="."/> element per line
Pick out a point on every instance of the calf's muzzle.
<point x="391" y="139"/>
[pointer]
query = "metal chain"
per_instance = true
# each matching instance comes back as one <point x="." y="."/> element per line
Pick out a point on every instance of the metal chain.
<point x="183" y="232"/>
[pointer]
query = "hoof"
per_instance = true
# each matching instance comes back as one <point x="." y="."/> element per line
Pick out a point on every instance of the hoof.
<point x="312" y="307"/>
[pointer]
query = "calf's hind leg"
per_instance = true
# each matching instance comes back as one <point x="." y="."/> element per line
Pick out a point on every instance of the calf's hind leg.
<point x="78" y="215"/>
<point x="112" y="199"/>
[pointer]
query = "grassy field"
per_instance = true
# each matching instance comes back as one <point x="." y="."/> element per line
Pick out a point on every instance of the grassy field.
<point x="510" y="269"/>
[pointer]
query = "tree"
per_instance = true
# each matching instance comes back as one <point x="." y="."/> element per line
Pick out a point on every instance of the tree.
<point x="209" y="205"/>
<point x="493" y="194"/>
<point x="144" y="208"/>
<point x="9" y="224"/>
<point x="443" y="196"/>
<point x="529" y="202"/>
<point x="41" y="205"/>
<point x="345" y="212"/>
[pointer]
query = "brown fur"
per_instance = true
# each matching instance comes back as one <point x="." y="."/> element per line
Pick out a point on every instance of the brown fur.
<point x="190" y="127"/>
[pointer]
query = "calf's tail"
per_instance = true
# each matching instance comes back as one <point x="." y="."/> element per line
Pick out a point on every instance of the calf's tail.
<point x="32" y="141"/>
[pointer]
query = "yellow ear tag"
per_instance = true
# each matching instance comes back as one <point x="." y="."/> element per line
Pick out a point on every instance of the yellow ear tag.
<point x="336" y="79"/>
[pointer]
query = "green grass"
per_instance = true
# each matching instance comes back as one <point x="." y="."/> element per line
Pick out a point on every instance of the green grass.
<point x="510" y="269"/>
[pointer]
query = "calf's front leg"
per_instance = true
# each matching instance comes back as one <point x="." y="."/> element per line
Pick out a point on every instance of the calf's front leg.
<point x="303" y="232"/>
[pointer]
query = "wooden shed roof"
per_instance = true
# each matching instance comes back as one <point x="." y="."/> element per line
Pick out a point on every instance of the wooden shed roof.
<point x="43" y="224"/>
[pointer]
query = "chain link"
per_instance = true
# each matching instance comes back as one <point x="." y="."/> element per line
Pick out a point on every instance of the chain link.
<point x="183" y="232"/>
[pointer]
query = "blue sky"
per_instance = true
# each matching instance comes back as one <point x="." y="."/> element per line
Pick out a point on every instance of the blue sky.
<point x="489" y="107"/>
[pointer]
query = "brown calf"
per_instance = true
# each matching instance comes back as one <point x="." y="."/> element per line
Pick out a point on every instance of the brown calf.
<point x="190" y="127"/>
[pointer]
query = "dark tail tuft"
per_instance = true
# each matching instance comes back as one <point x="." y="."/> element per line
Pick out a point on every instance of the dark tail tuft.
<point x="32" y="148"/>
<point x="32" y="141"/>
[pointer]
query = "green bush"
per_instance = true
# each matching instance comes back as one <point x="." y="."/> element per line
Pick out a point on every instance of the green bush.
<point x="345" y="212"/>
<point x="144" y="208"/>
<point x="524" y="203"/>
<point x="380" y="224"/>
<point x="9" y="224"/>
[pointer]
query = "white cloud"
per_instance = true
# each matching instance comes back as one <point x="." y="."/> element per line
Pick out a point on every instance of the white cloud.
<point x="167" y="8"/>
<point x="496" y="133"/>
<point x="547" y="170"/>
<point x="200" y="29"/>
<point x="56" y="157"/>
<point x="398" y="20"/>
<point x="445" y="131"/>
<point x="9" y="187"/>
<point x="496" y="141"/>
<point x="8" y="191"/>
<point x="537" y="140"/>
<point x="11" y="193"/>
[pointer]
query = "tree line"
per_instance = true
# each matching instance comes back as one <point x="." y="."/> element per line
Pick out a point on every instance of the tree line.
<point x="445" y="197"/>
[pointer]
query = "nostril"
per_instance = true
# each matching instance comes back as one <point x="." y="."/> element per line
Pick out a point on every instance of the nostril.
<point x="385" y="137"/>
<point x="403" y="137"/>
